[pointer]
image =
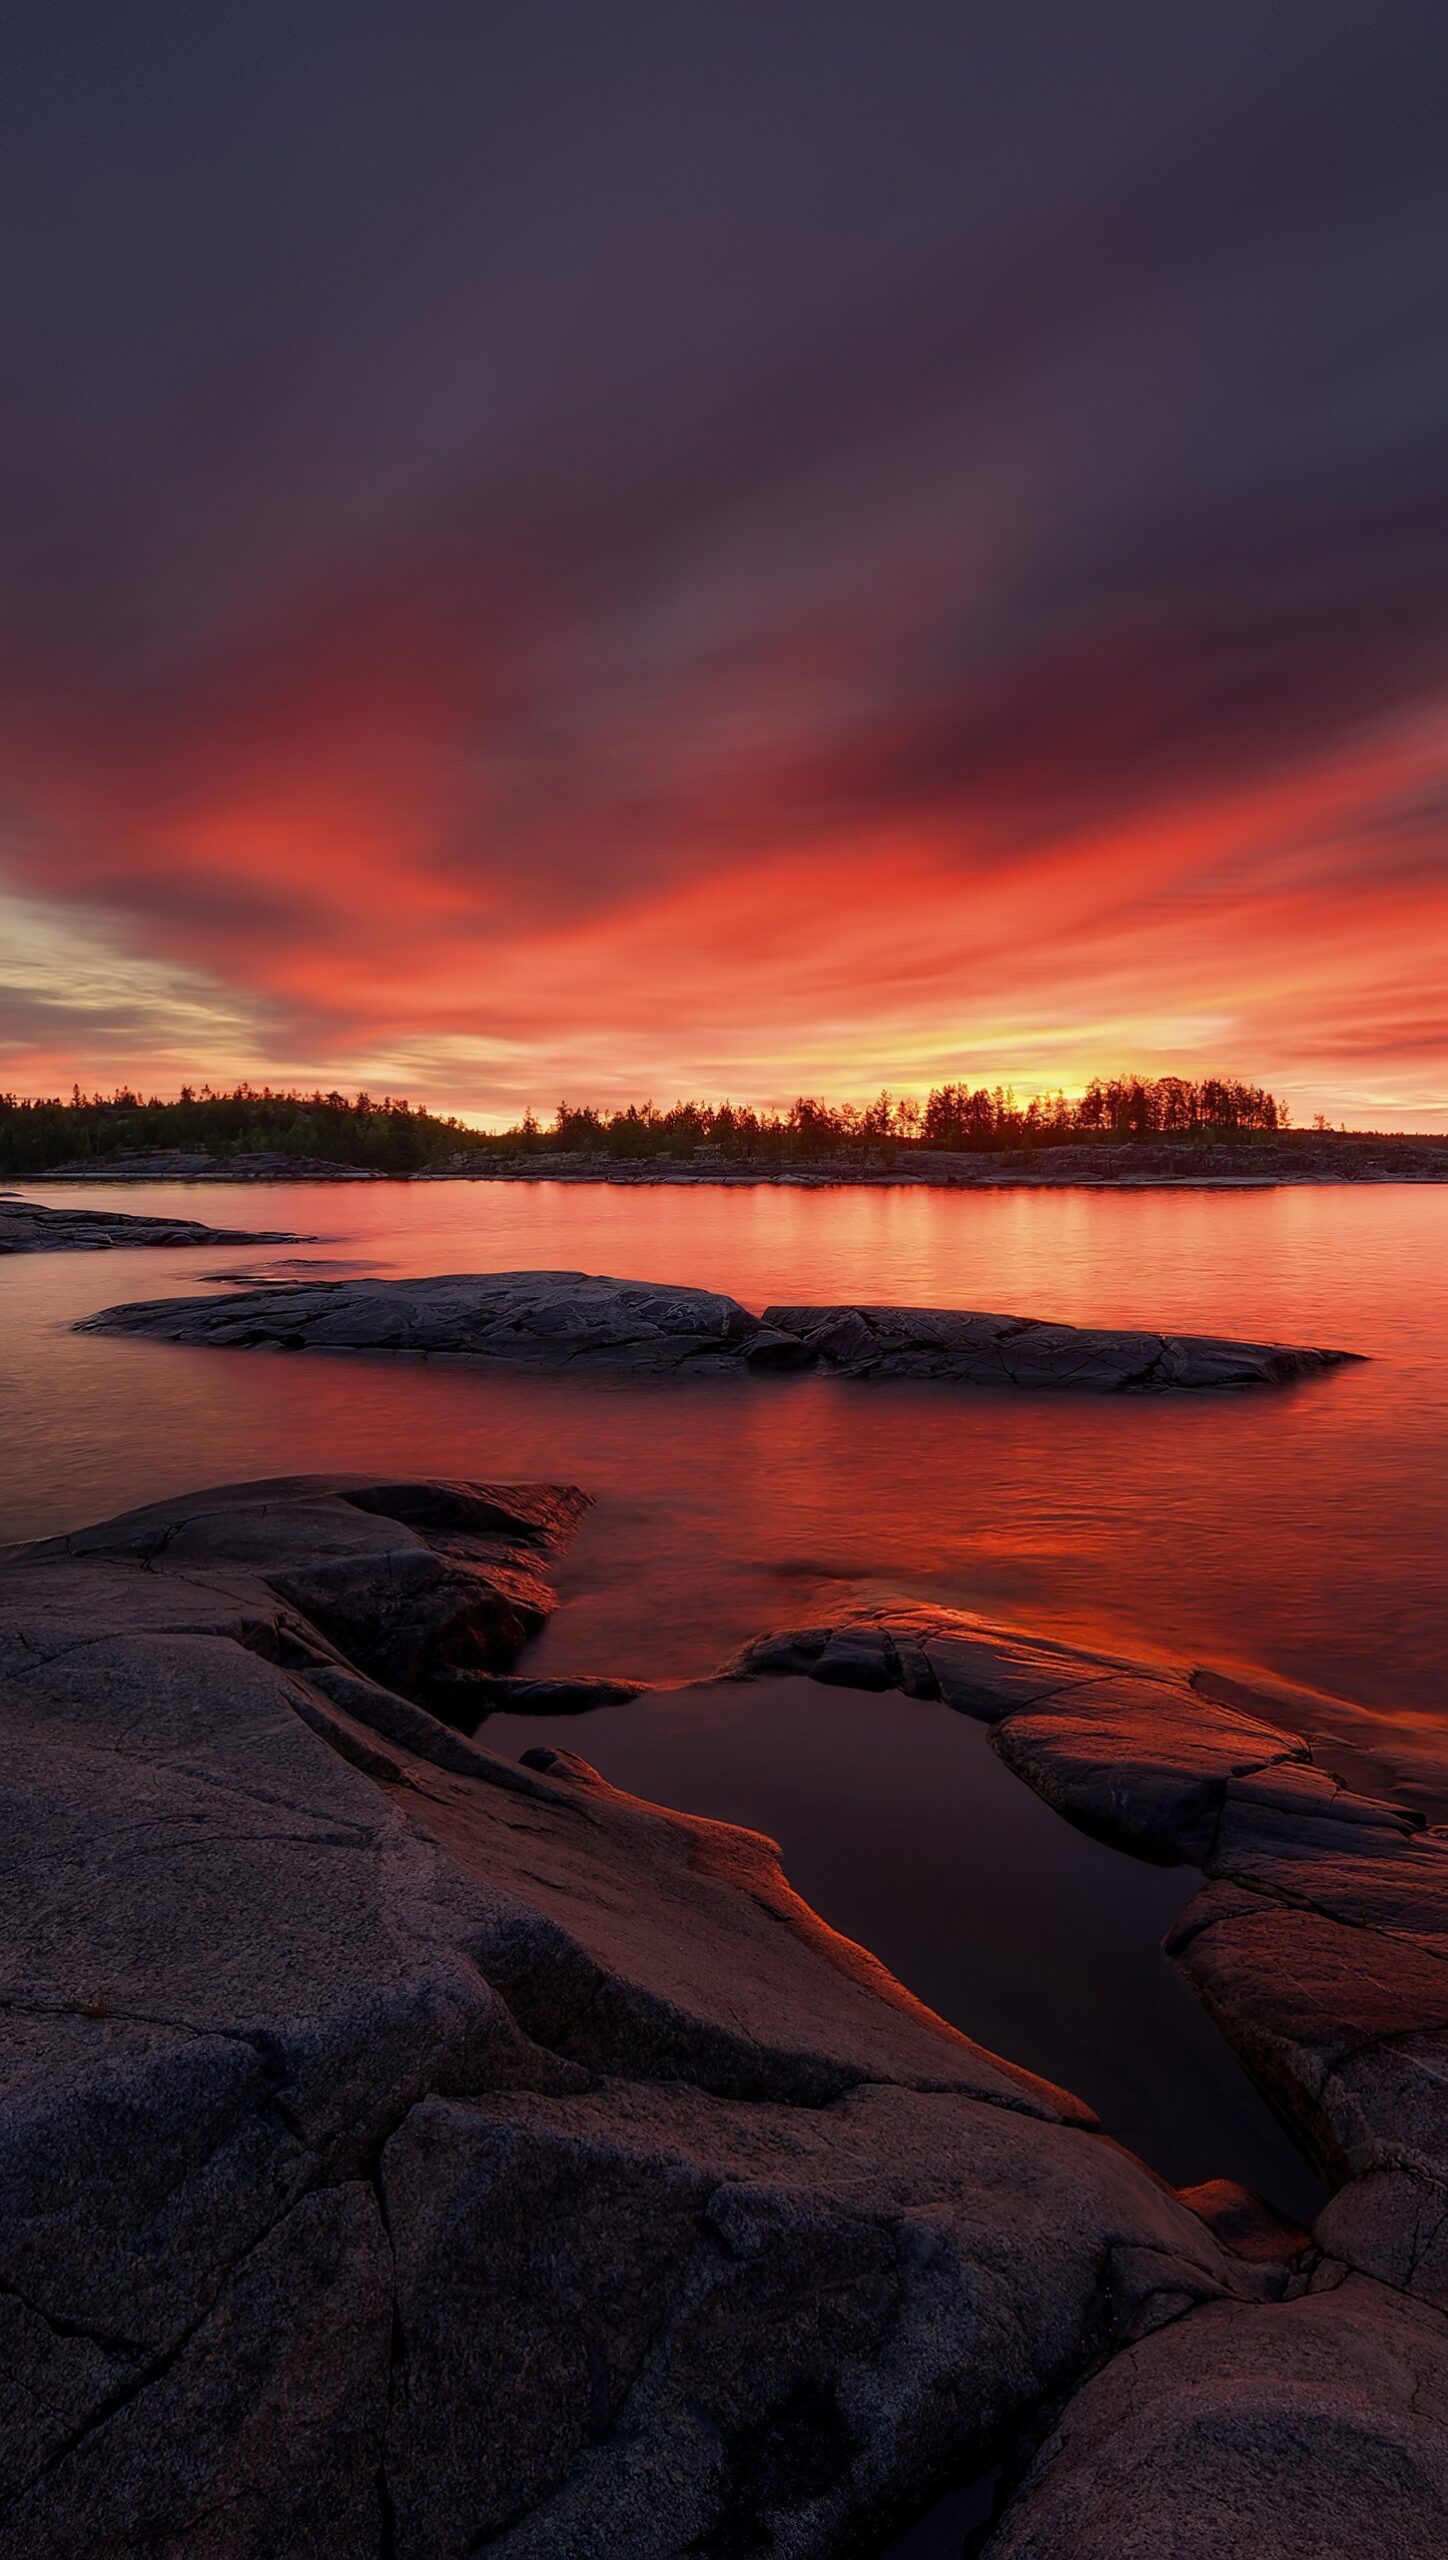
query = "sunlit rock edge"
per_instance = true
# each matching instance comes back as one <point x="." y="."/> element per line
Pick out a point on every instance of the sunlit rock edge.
<point x="410" y="2152"/>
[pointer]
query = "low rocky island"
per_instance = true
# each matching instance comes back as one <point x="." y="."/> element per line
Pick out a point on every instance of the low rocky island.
<point x="556" y="1318"/>
<point x="27" y="1226"/>
<point x="412" y="2152"/>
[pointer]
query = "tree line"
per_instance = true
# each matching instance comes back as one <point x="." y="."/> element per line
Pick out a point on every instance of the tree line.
<point x="956" y="1117"/>
<point x="382" y="1136"/>
<point x="388" y="1135"/>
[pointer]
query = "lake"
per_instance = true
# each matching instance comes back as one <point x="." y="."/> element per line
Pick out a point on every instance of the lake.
<point x="1302" y="1530"/>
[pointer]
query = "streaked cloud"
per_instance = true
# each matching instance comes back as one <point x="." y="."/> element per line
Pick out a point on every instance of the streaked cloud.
<point x="639" y="551"/>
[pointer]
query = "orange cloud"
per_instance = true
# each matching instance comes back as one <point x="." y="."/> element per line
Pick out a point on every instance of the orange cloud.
<point x="537" y="579"/>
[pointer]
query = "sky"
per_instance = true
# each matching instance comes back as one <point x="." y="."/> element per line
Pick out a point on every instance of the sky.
<point x="726" y="547"/>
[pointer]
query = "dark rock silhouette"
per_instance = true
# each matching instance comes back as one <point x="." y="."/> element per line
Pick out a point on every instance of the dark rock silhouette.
<point x="554" y="1318"/>
<point x="1018" y="1351"/>
<point x="28" y="1227"/>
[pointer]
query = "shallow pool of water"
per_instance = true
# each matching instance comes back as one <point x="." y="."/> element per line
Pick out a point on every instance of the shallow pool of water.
<point x="902" y="1827"/>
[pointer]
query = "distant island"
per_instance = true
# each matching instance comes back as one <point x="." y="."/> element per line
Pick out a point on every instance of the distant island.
<point x="1123" y="1129"/>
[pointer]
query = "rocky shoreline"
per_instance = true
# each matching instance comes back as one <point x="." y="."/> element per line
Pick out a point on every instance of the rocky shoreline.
<point x="1292" y="1156"/>
<point x="412" y="2152"/>
<point x="556" y="1318"/>
<point x="196" y="1164"/>
<point x="27" y="1227"/>
<point x="1126" y="1164"/>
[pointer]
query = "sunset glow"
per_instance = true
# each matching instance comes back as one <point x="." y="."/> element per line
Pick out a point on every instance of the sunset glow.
<point x="753" y="637"/>
<point x="724" y="1239"/>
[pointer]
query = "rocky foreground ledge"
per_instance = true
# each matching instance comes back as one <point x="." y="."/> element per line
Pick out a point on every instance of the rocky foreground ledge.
<point x="28" y="1227"/>
<point x="557" y="1318"/>
<point x="409" y="2153"/>
<point x="1319" y="1946"/>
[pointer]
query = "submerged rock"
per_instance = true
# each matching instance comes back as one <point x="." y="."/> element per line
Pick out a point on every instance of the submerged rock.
<point x="466" y="1698"/>
<point x="558" y="1317"/>
<point x="1242" y="2221"/>
<point x="26" y="1226"/>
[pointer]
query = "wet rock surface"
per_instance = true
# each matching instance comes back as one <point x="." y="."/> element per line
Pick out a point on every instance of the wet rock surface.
<point x="556" y="1318"/>
<point x="412" y="2152"/>
<point x="26" y="1226"/>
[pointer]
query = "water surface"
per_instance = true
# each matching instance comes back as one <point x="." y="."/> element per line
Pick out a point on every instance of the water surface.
<point x="901" y="1827"/>
<point x="1301" y="1529"/>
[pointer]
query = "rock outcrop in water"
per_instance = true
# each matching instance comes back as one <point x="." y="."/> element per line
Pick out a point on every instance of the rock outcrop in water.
<point x="28" y="1227"/>
<point x="553" y="1318"/>
<point x="1019" y="1351"/>
<point x="412" y="2153"/>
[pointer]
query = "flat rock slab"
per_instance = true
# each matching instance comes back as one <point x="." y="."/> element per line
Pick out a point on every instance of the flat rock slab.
<point x="555" y="1318"/>
<point x="548" y="1318"/>
<point x="1019" y="1351"/>
<point x="26" y="1226"/>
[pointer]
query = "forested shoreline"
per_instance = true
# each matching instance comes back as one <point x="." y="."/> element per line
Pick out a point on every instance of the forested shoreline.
<point x="388" y="1135"/>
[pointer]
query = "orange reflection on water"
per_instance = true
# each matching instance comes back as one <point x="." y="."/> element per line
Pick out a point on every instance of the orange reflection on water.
<point x="1302" y="1530"/>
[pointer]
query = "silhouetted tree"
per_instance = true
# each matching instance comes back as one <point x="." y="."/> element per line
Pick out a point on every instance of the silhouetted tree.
<point x="388" y="1136"/>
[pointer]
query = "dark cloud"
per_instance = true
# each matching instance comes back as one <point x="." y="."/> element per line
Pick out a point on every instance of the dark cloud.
<point x="494" y="465"/>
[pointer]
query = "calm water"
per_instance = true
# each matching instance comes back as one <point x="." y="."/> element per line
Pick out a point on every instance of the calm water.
<point x="1302" y="1530"/>
<point x="898" y="1821"/>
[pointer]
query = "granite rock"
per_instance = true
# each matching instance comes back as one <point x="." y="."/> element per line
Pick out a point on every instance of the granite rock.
<point x="563" y="1317"/>
<point x="1127" y="1750"/>
<point x="411" y="2154"/>
<point x="1319" y="1944"/>
<point x="348" y="2069"/>
<point x="26" y="1226"/>
<point x="743" y="2311"/>
<point x="1316" y="2427"/>
<point x="1021" y="1351"/>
